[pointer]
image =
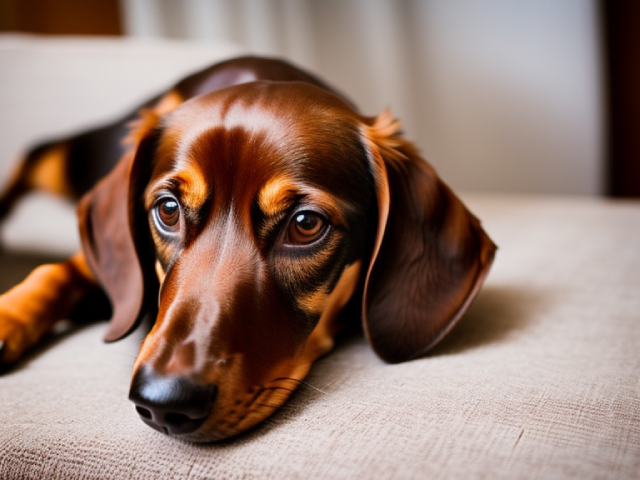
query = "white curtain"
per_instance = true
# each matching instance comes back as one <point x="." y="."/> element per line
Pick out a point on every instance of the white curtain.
<point x="499" y="95"/>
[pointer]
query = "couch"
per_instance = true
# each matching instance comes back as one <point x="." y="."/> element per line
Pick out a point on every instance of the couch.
<point x="539" y="380"/>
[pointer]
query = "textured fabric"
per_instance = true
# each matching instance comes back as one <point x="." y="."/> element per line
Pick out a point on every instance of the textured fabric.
<point x="540" y="379"/>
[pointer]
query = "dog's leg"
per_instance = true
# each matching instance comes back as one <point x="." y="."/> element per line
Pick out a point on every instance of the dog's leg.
<point x="30" y="309"/>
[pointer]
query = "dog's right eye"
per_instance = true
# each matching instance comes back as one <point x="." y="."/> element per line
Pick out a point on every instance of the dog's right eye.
<point x="305" y="228"/>
<point x="167" y="215"/>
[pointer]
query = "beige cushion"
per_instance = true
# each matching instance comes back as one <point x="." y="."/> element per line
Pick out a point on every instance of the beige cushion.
<point x="541" y="379"/>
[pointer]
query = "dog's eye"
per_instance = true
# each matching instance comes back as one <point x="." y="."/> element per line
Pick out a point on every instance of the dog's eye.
<point x="168" y="214"/>
<point x="305" y="228"/>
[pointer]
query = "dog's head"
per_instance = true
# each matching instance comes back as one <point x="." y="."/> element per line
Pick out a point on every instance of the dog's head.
<point x="247" y="220"/>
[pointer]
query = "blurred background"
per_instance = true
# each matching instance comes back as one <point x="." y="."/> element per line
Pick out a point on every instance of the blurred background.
<point x="534" y="96"/>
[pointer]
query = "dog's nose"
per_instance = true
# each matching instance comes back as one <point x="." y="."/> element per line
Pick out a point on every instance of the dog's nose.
<point x="171" y="404"/>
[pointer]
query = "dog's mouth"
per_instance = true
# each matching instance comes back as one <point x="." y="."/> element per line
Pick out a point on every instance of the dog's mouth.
<point x="170" y="423"/>
<point x="179" y="407"/>
<point x="243" y="412"/>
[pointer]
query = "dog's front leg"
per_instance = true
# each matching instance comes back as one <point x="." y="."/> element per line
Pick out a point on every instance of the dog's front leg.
<point x="50" y="293"/>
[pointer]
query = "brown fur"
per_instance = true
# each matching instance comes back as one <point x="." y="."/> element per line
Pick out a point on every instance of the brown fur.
<point x="243" y="307"/>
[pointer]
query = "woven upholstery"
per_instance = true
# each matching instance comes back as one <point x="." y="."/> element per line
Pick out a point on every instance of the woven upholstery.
<point x="539" y="380"/>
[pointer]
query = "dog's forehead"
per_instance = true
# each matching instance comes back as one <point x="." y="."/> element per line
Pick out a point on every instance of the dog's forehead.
<point x="274" y="108"/>
<point x="247" y="135"/>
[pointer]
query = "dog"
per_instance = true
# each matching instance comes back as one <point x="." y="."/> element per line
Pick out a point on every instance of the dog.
<point x="254" y="214"/>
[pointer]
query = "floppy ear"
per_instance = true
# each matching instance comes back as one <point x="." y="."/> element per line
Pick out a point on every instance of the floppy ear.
<point x="115" y="239"/>
<point x="430" y="255"/>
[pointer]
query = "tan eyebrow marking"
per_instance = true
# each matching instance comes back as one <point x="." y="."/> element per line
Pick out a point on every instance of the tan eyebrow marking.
<point x="193" y="186"/>
<point x="190" y="180"/>
<point x="277" y="195"/>
<point x="280" y="193"/>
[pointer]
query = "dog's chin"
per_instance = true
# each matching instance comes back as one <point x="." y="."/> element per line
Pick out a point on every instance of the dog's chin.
<point x="240" y="402"/>
<point x="216" y="430"/>
<point x="233" y="415"/>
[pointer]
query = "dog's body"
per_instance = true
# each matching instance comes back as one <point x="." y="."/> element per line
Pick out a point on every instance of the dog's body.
<point x="254" y="213"/>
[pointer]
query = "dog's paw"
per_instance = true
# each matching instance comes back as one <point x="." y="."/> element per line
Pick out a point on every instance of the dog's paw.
<point x="15" y="337"/>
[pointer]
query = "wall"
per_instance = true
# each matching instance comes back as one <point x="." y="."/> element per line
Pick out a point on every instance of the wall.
<point x="499" y="95"/>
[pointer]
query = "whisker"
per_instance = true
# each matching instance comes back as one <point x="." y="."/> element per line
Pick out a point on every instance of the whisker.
<point x="301" y="382"/>
<point x="279" y="388"/>
<point x="315" y="388"/>
<point x="286" y="378"/>
<point x="255" y="397"/>
<point x="268" y="405"/>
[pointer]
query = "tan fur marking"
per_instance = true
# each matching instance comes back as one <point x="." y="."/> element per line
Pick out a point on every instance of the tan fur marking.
<point x="314" y="303"/>
<point x="193" y="186"/>
<point x="276" y="195"/>
<point x="168" y="103"/>
<point x="48" y="173"/>
<point x="321" y="339"/>
<point x="47" y="295"/>
<point x="385" y="134"/>
<point x="148" y="117"/>
<point x="160" y="272"/>
<point x="141" y="126"/>
<point x="280" y="192"/>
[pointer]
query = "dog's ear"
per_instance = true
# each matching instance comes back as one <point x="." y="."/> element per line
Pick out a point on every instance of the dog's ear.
<point x="431" y="254"/>
<point x="114" y="234"/>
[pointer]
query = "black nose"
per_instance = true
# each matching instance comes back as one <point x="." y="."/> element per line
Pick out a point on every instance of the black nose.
<point x="171" y="404"/>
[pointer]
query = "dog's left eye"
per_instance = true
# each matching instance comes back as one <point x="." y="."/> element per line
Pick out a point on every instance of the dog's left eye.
<point x="167" y="214"/>
<point x="306" y="228"/>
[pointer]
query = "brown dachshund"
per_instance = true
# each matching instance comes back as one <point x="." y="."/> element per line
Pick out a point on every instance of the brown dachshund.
<point x="253" y="212"/>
